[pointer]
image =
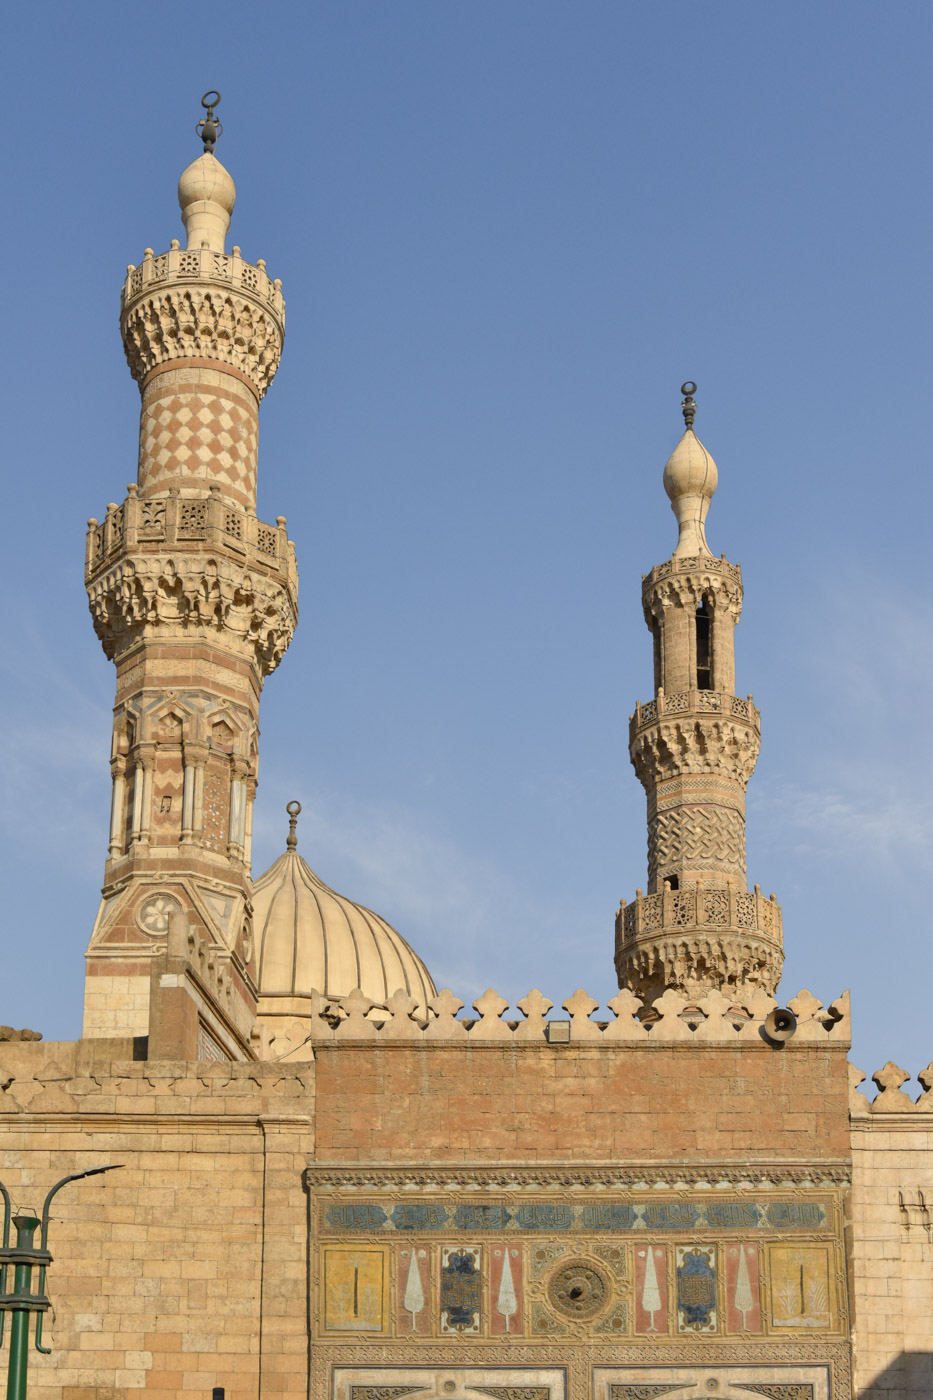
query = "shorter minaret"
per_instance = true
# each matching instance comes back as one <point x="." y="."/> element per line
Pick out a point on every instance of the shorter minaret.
<point x="694" y="748"/>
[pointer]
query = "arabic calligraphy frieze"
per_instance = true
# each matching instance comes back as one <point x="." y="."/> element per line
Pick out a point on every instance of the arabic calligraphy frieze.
<point x="698" y="1214"/>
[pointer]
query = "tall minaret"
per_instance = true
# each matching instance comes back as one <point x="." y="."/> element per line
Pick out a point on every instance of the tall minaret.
<point x="195" y="601"/>
<point x="694" y="748"/>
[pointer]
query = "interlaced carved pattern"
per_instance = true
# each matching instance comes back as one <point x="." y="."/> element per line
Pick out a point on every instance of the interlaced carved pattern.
<point x="708" y="837"/>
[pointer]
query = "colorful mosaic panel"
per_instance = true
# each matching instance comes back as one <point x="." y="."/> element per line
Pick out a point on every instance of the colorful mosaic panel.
<point x="582" y="1280"/>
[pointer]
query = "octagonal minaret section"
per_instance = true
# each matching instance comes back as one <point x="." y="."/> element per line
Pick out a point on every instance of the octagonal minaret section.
<point x="694" y="747"/>
<point x="195" y="600"/>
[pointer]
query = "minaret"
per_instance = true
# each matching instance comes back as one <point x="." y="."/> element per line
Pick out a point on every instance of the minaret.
<point x="694" y="748"/>
<point x="195" y="601"/>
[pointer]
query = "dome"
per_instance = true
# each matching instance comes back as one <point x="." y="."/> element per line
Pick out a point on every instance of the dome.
<point x="206" y="194"/>
<point x="690" y="480"/>
<point x="309" y="938"/>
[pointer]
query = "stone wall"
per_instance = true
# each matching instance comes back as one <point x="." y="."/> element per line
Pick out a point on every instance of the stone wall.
<point x="186" y="1269"/>
<point x="393" y="1102"/>
<point x="892" y="1237"/>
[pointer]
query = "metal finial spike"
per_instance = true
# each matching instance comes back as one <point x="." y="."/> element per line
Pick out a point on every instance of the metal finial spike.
<point x="209" y="128"/>
<point x="688" y="407"/>
<point x="293" y="809"/>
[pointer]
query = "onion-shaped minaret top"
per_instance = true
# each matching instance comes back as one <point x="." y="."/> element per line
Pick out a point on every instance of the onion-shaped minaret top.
<point x="690" y="480"/>
<point x="206" y="191"/>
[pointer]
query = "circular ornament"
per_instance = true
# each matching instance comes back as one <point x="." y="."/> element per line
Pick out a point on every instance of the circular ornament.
<point x="153" y="914"/>
<point x="578" y="1289"/>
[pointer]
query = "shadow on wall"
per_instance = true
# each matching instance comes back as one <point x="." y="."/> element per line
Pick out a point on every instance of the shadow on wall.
<point x="909" y="1377"/>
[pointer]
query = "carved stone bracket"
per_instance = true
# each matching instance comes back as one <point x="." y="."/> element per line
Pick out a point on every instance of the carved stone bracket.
<point x="189" y="593"/>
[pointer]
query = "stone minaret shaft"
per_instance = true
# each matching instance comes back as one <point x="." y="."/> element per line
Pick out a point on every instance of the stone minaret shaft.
<point x="694" y="748"/>
<point x="195" y="601"/>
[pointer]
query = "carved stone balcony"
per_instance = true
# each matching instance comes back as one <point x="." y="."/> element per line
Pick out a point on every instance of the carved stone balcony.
<point x="690" y="939"/>
<point x="187" y="564"/>
<point x="198" y="303"/>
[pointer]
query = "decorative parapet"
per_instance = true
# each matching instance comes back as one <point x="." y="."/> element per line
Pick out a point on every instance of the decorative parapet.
<point x="172" y="520"/>
<point x="714" y="1019"/>
<point x="680" y="911"/>
<point x="891" y="1097"/>
<point x="179" y="563"/>
<point x="704" y="702"/>
<point x="201" y="304"/>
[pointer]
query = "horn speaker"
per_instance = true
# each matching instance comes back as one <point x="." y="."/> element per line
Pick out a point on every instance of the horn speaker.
<point x="780" y="1025"/>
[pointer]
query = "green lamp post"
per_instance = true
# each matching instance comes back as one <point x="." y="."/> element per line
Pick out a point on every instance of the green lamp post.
<point x="23" y="1258"/>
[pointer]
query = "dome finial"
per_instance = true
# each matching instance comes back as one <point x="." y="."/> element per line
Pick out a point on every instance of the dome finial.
<point x="208" y="128"/>
<point x="293" y="809"/>
<point x="688" y="406"/>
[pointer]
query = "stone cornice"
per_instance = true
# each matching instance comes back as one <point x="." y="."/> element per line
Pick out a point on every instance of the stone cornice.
<point x="206" y="305"/>
<point x="641" y="1175"/>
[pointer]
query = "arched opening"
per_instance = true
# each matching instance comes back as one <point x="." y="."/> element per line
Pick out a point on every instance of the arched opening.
<point x="704" y="620"/>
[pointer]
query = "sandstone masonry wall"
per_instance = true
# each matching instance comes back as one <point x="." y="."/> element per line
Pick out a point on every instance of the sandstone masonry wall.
<point x="892" y="1238"/>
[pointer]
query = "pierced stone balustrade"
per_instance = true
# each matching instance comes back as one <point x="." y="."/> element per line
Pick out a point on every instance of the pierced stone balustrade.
<point x="186" y="265"/>
<point x="699" y="908"/>
<point x="207" y="521"/>
<point x="703" y="702"/>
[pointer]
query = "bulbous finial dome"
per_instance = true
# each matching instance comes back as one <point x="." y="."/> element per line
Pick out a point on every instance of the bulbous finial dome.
<point x="309" y="938"/>
<point x="207" y="194"/>
<point x="690" y="480"/>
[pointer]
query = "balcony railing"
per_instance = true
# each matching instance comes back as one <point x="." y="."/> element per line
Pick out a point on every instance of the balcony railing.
<point x="711" y="702"/>
<point x="172" y="520"/>
<point x="671" y="911"/>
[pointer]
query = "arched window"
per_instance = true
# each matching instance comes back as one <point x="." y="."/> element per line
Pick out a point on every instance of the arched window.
<point x="704" y="647"/>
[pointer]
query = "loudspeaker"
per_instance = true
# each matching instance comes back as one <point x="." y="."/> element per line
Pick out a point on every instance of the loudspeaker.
<point x="779" y="1025"/>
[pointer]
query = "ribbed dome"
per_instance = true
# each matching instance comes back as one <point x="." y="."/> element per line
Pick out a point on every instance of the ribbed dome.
<point x="311" y="939"/>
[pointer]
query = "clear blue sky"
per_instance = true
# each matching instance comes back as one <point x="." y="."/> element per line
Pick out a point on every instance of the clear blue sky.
<point x="507" y="231"/>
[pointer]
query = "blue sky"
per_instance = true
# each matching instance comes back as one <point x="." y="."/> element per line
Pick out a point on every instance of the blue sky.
<point x="507" y="232"/>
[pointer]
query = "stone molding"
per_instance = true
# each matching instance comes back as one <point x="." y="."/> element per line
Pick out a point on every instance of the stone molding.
<point x="891" y="1097"/>
<point x="202" y="304"/>
<point x="714" y="1019"/>
<point x="511" y="1176"/>
<point x="163" y="596"/>
<point x="702" y="740"/>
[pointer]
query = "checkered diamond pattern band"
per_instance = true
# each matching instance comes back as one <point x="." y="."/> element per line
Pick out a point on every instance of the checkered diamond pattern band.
<point x="189" y="437"/>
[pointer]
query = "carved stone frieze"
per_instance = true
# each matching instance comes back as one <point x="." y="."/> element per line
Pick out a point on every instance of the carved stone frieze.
<point x="181" y="595"/>
<point x="174" y="319"/>
<point x="694" y="743"/>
